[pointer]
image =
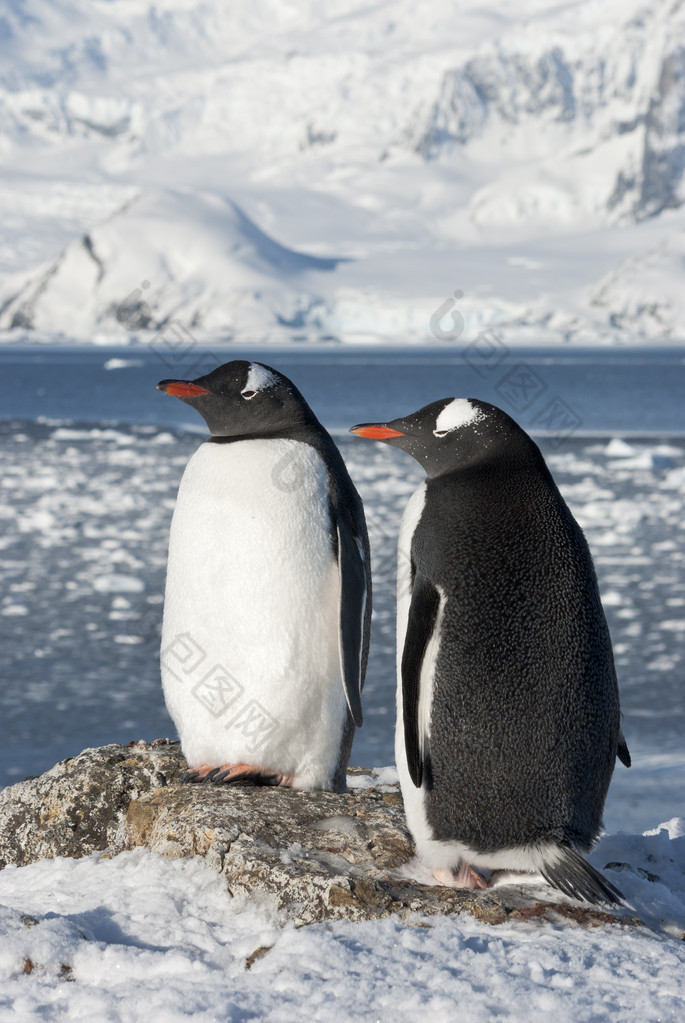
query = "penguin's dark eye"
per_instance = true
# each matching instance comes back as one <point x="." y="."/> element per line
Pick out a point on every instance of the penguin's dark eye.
<point x="248" y="394"/>
<point x="440" y="433"/>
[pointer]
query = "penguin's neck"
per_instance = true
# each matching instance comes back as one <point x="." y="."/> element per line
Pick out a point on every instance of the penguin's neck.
<point x="272" y="435"/>
<point x="306" y="432"/>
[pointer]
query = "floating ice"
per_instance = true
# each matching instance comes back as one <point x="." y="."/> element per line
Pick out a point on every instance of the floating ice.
<point x="617" y="448"/>
<point x="118" y="584"/>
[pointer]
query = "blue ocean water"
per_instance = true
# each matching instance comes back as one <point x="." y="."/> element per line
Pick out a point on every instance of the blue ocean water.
<point x="555" y="392"/>
<point x="91" y="455"/>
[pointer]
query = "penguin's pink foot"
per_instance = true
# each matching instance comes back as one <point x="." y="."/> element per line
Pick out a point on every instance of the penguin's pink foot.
<point x="197" y="774"/>
<point x="466" y="877"/>
<point x="229" y="773"/>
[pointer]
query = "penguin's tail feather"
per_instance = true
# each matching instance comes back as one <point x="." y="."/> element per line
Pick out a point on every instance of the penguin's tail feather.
<point x="574" y="876"/>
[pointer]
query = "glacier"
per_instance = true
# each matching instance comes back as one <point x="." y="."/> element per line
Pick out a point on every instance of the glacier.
<point x="533" y="159"/>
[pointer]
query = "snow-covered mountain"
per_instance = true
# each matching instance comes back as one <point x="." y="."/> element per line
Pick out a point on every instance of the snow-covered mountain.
<point x="518" y="155"/>
<point x="645" y="293"/>
<point x="196" y="260"/>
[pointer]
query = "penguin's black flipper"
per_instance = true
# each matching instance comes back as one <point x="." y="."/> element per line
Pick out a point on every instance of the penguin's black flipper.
<point x="423" y="612"/>
<point x="353" y="598"/>
<point x="623" y="752"/>
<point x="574" y="876"/>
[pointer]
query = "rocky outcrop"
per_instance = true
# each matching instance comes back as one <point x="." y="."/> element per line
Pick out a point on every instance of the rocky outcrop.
<point x="314" y="855"/>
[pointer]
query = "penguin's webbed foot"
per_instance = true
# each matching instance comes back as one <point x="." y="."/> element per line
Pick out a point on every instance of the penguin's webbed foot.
<point x="227" y="774"/>
<point x="198" y="774"/>
<point x="465" y="877"/>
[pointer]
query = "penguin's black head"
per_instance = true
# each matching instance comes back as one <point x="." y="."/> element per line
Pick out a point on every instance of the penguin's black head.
<point x="453" y="433"/>
<point x="243" y="399"/>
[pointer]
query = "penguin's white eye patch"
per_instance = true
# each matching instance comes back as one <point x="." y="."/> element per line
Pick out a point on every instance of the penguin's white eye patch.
<point x="258" y="379"/>
<point x="459" y="412"/>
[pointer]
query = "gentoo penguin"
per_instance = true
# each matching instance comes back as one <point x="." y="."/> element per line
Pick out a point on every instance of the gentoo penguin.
<point x="507" y="699"/>
<point x="268" y="593"/>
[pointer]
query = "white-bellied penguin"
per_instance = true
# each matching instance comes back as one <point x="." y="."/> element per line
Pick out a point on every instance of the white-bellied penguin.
<point x="508" y="721"/>
<point x="268" y="593"/>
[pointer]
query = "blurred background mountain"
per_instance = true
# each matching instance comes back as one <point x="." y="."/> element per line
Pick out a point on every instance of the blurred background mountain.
<point x="279" y="171"/>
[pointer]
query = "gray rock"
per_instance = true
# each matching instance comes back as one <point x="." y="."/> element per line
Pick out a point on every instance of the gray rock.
<point x="314" y="855"/>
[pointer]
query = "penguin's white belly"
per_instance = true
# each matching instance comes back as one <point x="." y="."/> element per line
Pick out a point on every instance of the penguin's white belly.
<point x="250" y="657"/>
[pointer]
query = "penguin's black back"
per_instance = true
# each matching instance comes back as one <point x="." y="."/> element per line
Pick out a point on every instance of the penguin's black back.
<point x="525" y="710"/>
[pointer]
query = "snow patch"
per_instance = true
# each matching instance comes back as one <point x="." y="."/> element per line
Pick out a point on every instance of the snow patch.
<point x="379" y="778"/>
<point x="145" y="937"/>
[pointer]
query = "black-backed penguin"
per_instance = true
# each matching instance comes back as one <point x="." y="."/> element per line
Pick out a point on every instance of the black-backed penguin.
<point x="268" y="593"/>
<point x="507" y="700"/>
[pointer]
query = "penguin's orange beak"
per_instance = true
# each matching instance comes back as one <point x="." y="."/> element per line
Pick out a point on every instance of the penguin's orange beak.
<point x="375" y="431"/>
<point x="181" y="388"/>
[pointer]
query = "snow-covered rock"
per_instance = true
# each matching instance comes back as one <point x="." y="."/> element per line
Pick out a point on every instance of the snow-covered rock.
<point x="311" y="855"/>
<point x="143" y="938"/>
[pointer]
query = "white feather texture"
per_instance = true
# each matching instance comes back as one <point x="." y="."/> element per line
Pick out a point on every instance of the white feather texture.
<point x="250" y="663"/>
<point x="259" y="378"/>
<point x="414" y="799"/>
<point x="459" y="412"/>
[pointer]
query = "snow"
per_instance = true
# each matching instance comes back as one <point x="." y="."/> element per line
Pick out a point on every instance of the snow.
<point x="226" y="266"/>
<point x="85" y="515"/>
<point x="175" y="171"/>
<point x="163" y="940"/>
<point x="379" y="778"/>
<point x="276" y="172"/>
<point x="645" y="290"/>
<point x="141" y="937"/>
